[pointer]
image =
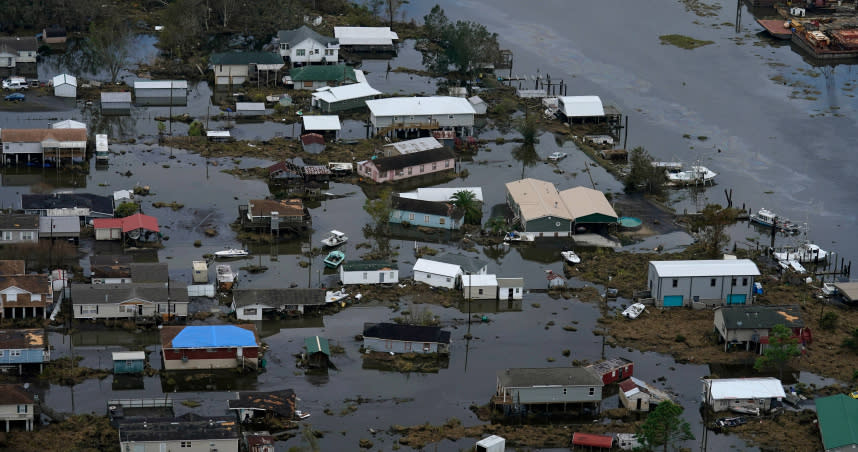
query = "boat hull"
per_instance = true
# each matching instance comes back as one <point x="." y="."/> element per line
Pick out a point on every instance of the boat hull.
<point x="776" y="28"/>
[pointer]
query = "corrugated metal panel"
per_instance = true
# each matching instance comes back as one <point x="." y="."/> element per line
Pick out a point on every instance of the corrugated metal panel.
<point x="436" y="268"/>
<point x="737" y="267"/>
<point x="201" y="290"/>
<point x="413" y="106"/>
<point x="746" y="388"/>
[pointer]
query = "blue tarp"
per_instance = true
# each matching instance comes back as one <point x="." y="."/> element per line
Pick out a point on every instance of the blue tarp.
<point x="214" y="336"/>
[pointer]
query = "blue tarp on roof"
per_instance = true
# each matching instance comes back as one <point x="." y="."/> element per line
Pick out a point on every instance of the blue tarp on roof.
<point x="214" y="336"/>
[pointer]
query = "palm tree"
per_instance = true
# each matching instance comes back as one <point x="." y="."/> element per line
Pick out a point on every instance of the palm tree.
<point x="467" y="201"/>
<point x="497" y="225"/>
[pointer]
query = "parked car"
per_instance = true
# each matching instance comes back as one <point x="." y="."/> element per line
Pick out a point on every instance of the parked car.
<point x="15" y="84"/>
<point x="15" y="97"/>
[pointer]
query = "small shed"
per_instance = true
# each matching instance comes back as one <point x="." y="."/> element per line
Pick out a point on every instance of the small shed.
<point x="161" y="92"/>
<point x="107" y="228"/>
<point x="129" y="362"/>
<point x="65" y="85"/>
<point x="480" y="287"/>
<point x="201" y="272"/>
<point x="479" y="104"/>
<point x="313" y="143"/>
<point x="318" y="352"/>
<point x="491" y="443"/>
<point x="637" y="395"/>
<point x="510" y="288"/>
<point x="116" y="103"/>
<point x="323" y="124"/>
<point x="250" y="108"/>
<point x="218" y="135"/>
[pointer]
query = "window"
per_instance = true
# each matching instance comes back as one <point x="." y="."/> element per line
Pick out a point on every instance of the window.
<point x="22" y="408"/>
<point x="733" y="281"/>
<point x="329" y="52"/>
<point x="442" y="220"/>
<point x="434" y="165"/>
<point x="426" y="219"/>
<point x="7" y="235"/>
<point x="395" y="118"/>
<point x="1" y="353"/>
<point x="712" y="282"/>
<point x="308" y="84"/>
<point x="426" y="347"/>
<point x="14" y="352"/>
<point x="129" y="363"/>
<point x="446" y="164"/>
<point x="409" y="170"/>
<point x="675" y="283"/>
<point x="388" y="344"/>
<point x="480" y="291"/>
<point x="592" y="391"/>
<point x="88" y="309"/>
<point x="518" y="290"/>
<point x="411" y="216"/>
<point x="364" y="275"/>
<point x="408" y="346"/>
<point x="411" y="118"/>
<point x="564" y="391"/>
<point x="27" y="235"/>
<point x="184" y="444"/>
<point x="316" y="52"/>
<point x="300" y="52"/>
<point x="428" y="276"/>
<point x="449" y="116"/>
<point x="249" y="311"/>
<point x="744" y="281"/>
<point x="422" y="167"/>
<point x="391" y="275"/>
<point x="449" y="279"/>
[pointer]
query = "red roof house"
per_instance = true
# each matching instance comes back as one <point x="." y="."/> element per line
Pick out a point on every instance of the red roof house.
<point x="590" y="440"/>
<point x="135" y="226"/>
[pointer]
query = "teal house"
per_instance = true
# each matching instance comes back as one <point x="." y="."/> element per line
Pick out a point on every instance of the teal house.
<point x="430" y="214"/>
<point x="129" y="362"/>
<point x="23" y="347"/>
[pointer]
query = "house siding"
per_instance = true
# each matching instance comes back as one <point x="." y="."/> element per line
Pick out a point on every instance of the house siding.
<point x="548" y="226"/>
<point x="230" y="74"/>
<point x="372" y="277"/>
<point x="436" y="280"/>
<point x="19" y="236"/>
<point x="443" y="120"/>
<point x="208" y="358"/>
<point x="699" y="287"/>
<point x="395" y="346"/>
<point x="23" y="356"/>
<point x="420" y="219"/>
<point x="368" y="169"/>
<point x="473" y="293"/>
<point x="115" y="311"/>
<point x="134" y="366"/>
<point x="553" y="394"/>
<point x="310" y="46"/>
<point x="10" y="413"/>
<point x="199" y="445"/>
<point x="343" y="105"/>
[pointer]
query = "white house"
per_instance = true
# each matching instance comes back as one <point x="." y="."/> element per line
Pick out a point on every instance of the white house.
<point x="340" y="98"/>
<point x="510" y="288"/>
<point x="251" y="304"/>
<point x="713" y="282"/>
<point x="305" y="46"/>
<point x="436" y="112"/>
<point x="441" y="194"/>
<point x="574" y="107"/>
<point x="437" y="274"/>
<point x="480" y="287"/>
<point x="15" y="50"/>
<point x="366" y="39"/>
<point x="742" y="393"/>
<point x="16" y="406"/>
<point x="65" y="85"/>
<point x="369" y="272"/>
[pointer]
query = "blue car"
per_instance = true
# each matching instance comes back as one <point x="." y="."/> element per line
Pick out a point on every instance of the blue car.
<point x="15" y="97"/>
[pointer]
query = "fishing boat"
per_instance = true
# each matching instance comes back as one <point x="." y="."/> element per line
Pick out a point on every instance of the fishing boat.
<point x="777" y="28"/>
<point x="334" y="259"/>
<point x="231" y="253"/>
<point x="792" y="265"/>
<point x="557" y="156"/>
<point x="335" y="238"/>
<point x="806" y="253"/>
<point x="767" y="218"/>
<point x="335" y="296"/>
<point x="225" y="277"/>
<point x="570" y="257"/>
<point x="301" y="414"/>
<point x="695" y="175"/>
<point x="633" y="311"/>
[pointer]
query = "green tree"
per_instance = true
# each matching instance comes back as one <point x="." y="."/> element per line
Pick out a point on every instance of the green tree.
<point x="497" y="225"/>
<point x="196" y="129"/>
<point x="711" y="229"/>
<point x="851" y="342"/>
<point x="108" y="46"/>
<point x="462" y="45"/>
<point x="126" y="209"/>
<point x="467" y="201"/>
<point x="643" y="176"/>
<point x="526" y="154"/>
<point x="782" y="347"/>
<point x="664" y="427"/>
<point x="379" y="210"/>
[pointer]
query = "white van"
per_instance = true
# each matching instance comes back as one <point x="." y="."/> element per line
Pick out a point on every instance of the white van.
<point x="15" y="83"/>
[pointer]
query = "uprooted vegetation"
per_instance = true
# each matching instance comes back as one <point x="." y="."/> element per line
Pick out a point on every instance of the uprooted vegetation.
<point x="83" y="433"/>
<point x="67" y="371"/>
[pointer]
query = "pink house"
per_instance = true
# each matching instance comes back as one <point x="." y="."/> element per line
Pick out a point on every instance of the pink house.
<point x="399" y="167"/>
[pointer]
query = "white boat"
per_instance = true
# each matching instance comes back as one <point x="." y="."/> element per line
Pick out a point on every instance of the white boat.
<point x="693" y="176"/>
<point x="792" y="265"/>
<point x="516" y="236"/>
<point x="570" y="257"/>
<point x="557" y="156"/>
<point x="828" y="289"/>
<point x="765" y="217"/>
<point x="335" y="296"/>
<point x="745" y="410"/>
<point x="806" y="253"/>
<point x="301" y="414"/>
<point x="225" y="277"/>
<point x="231" y="253"/>
<point x="336" y="238"/>
<point x="633" y="311"/>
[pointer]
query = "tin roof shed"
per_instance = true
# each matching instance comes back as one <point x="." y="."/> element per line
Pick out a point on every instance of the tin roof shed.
<point x="745" y="388"/>
<point x="693" y="268"/>
<point x="321" y="122"/>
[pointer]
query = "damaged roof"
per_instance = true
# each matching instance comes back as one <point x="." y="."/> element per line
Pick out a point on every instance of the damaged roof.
<point x="761" y="316"/>
<point x="281" y="403"/>
<point x="187" y="427"/>
<point x="401" y="332"/>
<point x="276" y="298"/>
<point x="22" y="338"/>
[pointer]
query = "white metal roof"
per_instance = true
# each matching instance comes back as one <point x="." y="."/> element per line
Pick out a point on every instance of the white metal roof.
<point x="440" y="194"/>
<point x="119" y="195"/>
<point x="475" y="100"/>
<point x="65" y="79"/>
<point x="332" y="94"/>
<point x="249" y="106"/>
<point x="160" y="84"/>
<point x="415" y="145"/>
<point x="360" y="76"/>
<point x="490" y="441"/>
<point x="350" y="36"/>
<point x="437" y="268"/>
<point x="123" y="96"/>
<point x="126" y="356"/>
<point x="409" y="106"/>
<point x="217" y="133"/>
<point x="322" y="122"/>
<point x="479" y="280"/>
<point x="581" y="106"/>
<point x="68" y="124"/>
<point x="101" y="143"/>
<point x="746" y="388"/>
<point x="730" y="267"/>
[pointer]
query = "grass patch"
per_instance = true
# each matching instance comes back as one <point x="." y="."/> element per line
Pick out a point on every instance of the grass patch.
<point x="683" y="42"/>
<point x="191" y="403"/>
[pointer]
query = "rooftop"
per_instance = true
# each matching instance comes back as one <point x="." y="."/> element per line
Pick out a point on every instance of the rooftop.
<point x="583" y="201"/>
<point x="128" y="356"/>
<point x="276" y="298"/>
<point x="149" y="272"/>
<point x="317" y="344"/>
<point x="19" y="44"/>
<point x="280" y="402"/>
<point x="365" y="36"/>
<point x="402" y="332"/>
<point x="715" y="267"/>
<point x="581" y="106"/>
<point x="64" y="79"/>
<point x="209" y="336"/>
<point x="479" y="280"/>
<point x="160" y="84"/>
<point x="761" y="316"/>
<point x="187" y="427"/>
<point x="415" y="145"/>
<point x="294" y="37"/>
<point x="13" y="394"/>
<point x="745" y="388"/>
<point x="331" y="94"/>
<point x="414" y="106"/>
<point x="356" y="266"/>
<point x="547" y="376"/>
<point x="441" y="193"/>
<point x="22" y="338"/>
<point x="19" y="222"/>
<point x="536" y="199"/>
<point x="437" y="268"/>
<point x="321" y="122"/>
<point x="117" y="97"/>
<point x="96" y="203"/>
<point x="118" y="293"/>
<point x="283" y="207"/>
<point x="13" y="267"/>
<point x="37" y="284"/>
<point x="395" y="162"/>
<point x="40" y="135"/>
<point x="442" y="209"/>
<point x="838" y="421"/>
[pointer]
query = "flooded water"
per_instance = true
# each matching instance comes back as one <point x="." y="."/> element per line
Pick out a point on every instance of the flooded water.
<point x="774" y="148"/>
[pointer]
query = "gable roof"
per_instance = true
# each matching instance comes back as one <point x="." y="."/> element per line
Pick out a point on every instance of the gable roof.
<point x="149" y="272"/>
<point x="365" y="36"/>
<point x="323" y="73"/>
<point x="96" y="203"/>
<point x="65" y="79"/>
<point x="401" y="332"/>
<point x="68" y="124"/>
<point x="22" y="338"/>
<point x="761" y="316"/>
<point x="13" y="266"/>
<point x="713" y="267"/>
<point x="442" y="209"/>
<point x="116" y="97"/>
<point x="13" y="394"/>
<point x="160" y="84"/>
<point x="358" y="266"/>
<point x="395" y="162"/>
<point x="37" y="284"/>
<point x="413" y="106"/>
<point x="19" y="222"/>
<point x="276" y="298"/>
<point x="838" y="420"/>
<point x="437" y="268"/>
<point x="280" y="402"/>
<point x="294" y="37"/>
<point x="479" y="280"/>
<point x="321" y="122"/>
<point x="19" y="44"/>
<point x="472" y="264"/>
<point x="39" y="135"/>
<point x="331" y="94"/>
<point x="317" y="344"/>
<point x="118" y="293"/>
<point x="537" y="198"/>
<point x="583" y="201"/>
<point x="140" y="221"/>
<point x="244" y="58"/>
<point x="187" y="427"/>
<point x="547" y="376"/>
<point x="441" y="193"/>
<point x="745" y="388"/>
<point x="415" y="145"/>
<point x="209" y="336"/>
<point x="58" y="225"/>
<point x="283" y="207"/>
<point x="581" y="106"/>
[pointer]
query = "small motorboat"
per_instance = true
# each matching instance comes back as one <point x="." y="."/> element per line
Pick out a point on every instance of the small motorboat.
<point x="807" y="253"/>
<point x="767" y="218"/>
<point x="336" y="238"/>
<point x="335" y="296"/>
<point x="570" y="257"/>
<point x="731" y="421"/>
<point x="334" y="259"/>
<point x="634" y="311"/>
<point x="231" y="253"/>
<point x="828" y="290"/>
<point x="557" y="156"/>
<point x="225" y="277"/>
<point x="301" y="414"/>
<point x="745" y="410"/>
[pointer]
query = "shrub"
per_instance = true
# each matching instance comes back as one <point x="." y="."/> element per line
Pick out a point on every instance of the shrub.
<point x="829" y="320"/>
<point x="196" y="129"/>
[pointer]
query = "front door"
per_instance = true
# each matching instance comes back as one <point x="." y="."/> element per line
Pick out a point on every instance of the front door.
<point x="736" y="299"/>
<point x="139" y="309"/>
<point x="673" y="300"/>
<point x="510" y="293"/>
<point x="381" y="277"/>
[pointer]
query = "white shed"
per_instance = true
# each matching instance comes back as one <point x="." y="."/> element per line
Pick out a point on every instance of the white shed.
<point x="714" y="282"/>
<point x="161" y="92"/>
<point x="369" y="272"/>
<point x="68" y="124"/>
<point x="436" y="274"/>
<point x="321" y="123"/>
<point x="480" y="287"/>
<point x="510" y="288"/>
<point x="201" y="272"/>
<point x="492" y="443"/>
<point x="581" y="106"/>
<point x="250" y="108"/>
<point x="749" y="393"/>
<point x="65" y="86"/>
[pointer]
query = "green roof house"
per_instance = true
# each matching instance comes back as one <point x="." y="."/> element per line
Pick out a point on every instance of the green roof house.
<point x="369" y="272"/>
<point x="318" y="352"/>
<point x="838" y="422"/>
<point x="235" y="68"/>
<point x="313" y="77"/>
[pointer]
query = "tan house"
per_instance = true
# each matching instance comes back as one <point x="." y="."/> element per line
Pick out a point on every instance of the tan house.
<point x="16" y="406"/>
<point x="25" y="296"/>
<point x="637" y="395"/>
